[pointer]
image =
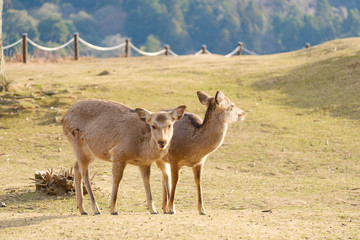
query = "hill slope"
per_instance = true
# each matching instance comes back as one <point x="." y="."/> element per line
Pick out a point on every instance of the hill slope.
<point x="290" y="170"/>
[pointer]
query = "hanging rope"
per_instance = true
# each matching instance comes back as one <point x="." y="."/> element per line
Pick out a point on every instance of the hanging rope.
<point x="147" y="53"/>
<point x="87" y="44"/>
<point x="248" y="51"/>
<point x="47" y="48"/>
<point x="172" y="53"/>
<point x="13" y="44"/>
<point x="199" y="52"/>
<point x="100" y="48"/>
<point x="233" y="52"/>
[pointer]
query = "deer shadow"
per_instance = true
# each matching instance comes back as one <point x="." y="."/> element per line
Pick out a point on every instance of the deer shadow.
<point x="28" y="221"/>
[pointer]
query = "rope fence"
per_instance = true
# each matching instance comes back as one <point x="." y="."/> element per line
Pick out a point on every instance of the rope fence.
<point x="126" y="46"/>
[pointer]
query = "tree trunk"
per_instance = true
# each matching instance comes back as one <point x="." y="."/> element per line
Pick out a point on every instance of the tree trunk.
<point x="3" y="81"/>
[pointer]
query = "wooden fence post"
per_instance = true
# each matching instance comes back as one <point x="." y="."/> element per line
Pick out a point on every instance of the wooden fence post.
<point x="127" y="48"/>
<point x="76" y="46"/>
<point x="240" y="47"/>
<point x="203" y="47"/>
<point x="24" y="47"/>
<point x="167" y="48"/>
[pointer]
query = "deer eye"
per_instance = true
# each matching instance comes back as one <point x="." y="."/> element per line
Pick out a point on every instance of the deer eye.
<point x="169" y="126"/>
<point x="153" y="127"/>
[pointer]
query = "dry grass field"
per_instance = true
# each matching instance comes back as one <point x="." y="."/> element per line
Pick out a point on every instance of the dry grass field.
<point x="291" y="170"/>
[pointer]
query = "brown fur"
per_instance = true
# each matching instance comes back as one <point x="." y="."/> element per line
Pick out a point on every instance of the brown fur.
<point x="194" y="140"/>
<point x="114" y="132"/>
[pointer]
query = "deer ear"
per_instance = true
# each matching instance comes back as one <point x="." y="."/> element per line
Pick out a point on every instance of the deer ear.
<point x="203" y="97"/>
<point x="143" y="114"/>
<point x="219" y="97"/>
<point x="178" y="113"/>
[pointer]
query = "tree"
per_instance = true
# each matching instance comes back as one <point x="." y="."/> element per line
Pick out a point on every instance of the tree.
<point x="53" y="29"/>
<point x="17" y="23"/>
<point x="351" y="25"/>
<point x="86" y="25"/>
<point x="325" y="20"/>
<point x="287" y="29"/>
<point x="253" y="25"/>
<point x="152" y="44"/>
<point x="3" y="81"/>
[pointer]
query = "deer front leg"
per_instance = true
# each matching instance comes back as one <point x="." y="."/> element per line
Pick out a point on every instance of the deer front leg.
<point x="145" y="173"/>
<point x="165" y="169"/>
<point x="117" y="172"/>
<point x="174" y="180"/>
<point x="197" y="170"/>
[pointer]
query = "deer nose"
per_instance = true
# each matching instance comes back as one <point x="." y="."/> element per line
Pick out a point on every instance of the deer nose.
<point x="162" y="143"/>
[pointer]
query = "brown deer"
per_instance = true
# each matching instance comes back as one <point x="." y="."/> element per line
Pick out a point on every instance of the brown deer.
<point x="114" y="132"/>
<point x="193" y="140"/>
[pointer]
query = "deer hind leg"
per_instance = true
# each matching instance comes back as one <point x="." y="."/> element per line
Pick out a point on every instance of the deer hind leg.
<point x="165" y="169"/>
<point x="85" y="174"/>
<point x="117" y="172"/>
<point x="175" y="170"/>
<point x="83" y="160"/>
<point x="145" y="173"/>
<point x="79" y="189"/>
<point x="197" y="170"/>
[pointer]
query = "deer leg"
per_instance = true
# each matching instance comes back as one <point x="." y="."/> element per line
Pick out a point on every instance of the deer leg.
<point x="145" y="173"/>
<point x="84" y="169"/>
<point x="79" y="189"/>
<point x="165" y="169"/>
<point x="197" y="170"/>
<point x="175" y="170"/>
<point x="117" y="172"/>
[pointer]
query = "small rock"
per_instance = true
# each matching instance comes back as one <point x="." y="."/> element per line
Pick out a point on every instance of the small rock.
<point x="103" y="73"/>
<point x="2" y="204"/>
<point x="267" y="211"/>
<point x="220" y="168"/>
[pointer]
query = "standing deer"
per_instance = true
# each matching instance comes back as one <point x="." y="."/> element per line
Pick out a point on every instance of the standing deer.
<point x="194" y="140"/>
<point x="114" y="132"/>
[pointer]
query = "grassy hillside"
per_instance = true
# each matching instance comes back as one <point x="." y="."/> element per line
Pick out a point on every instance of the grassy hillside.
<point x="290" y="170"/>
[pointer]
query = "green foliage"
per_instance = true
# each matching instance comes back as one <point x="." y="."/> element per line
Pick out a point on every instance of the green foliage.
<point x="352" y="23"/>
<point x="17" y="22"/>
<point x="53" y="29"/>
<point x="263" y="26"/>
<point x="283" y="24"/>
<point x="152" y="44"/>
<point x="86" y="25"/>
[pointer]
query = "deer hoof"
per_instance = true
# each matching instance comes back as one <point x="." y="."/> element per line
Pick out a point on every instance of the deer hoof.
<point x="97" y="213"/>
<point x="114" y="213"/>
<point x="202" y="213"/>
<point x="84" y="213"/>
<point x="154" y="213"/>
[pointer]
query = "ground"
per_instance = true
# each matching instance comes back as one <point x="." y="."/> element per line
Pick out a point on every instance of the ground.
<point x="290" y="171"/>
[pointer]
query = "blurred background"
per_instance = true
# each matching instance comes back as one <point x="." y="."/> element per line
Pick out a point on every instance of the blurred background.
<point x="264" y="26"/>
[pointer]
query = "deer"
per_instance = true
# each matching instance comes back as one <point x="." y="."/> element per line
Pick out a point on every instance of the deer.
<point x="193" y="140"/>
<point x="111" y="131"/>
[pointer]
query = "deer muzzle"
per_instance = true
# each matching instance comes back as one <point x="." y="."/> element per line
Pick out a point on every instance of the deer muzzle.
<point x="162" y="144"/>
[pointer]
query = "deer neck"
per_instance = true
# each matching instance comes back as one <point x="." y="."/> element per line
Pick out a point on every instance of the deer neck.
<point x="212" y="132"/>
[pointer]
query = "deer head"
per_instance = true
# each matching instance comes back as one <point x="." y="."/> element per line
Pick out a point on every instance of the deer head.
<point x="161" y="124"/>
<point x="222" y="106"/>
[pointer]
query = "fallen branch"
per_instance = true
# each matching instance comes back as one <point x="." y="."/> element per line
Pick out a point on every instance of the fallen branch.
<point x="56" y="182"/>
